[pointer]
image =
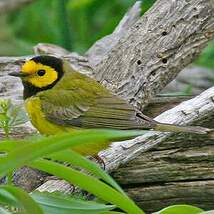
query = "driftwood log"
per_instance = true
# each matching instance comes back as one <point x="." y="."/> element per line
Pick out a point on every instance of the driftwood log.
<point x="136" y="62"/>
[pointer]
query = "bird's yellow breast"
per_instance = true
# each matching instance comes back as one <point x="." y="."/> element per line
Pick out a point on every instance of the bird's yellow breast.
<point x="37" y="117"/>
<point x="33" y="108"/>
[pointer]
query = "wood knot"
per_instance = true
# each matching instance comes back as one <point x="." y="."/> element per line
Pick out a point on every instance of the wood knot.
<point x="139" y="62"/>
<point x="153" y="73"/>
<point x="164" y="60"/>
<point x="164" y="33"/>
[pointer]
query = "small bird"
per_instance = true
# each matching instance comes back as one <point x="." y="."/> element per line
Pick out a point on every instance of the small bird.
<point x="59" y="99"/>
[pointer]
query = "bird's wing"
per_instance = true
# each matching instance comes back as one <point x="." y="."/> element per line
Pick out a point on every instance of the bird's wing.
<point x="88" y="108"/>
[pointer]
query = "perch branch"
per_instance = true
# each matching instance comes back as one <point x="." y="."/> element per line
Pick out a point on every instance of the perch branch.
<point x="188" y="112"/>
<point x="142" y="61"/>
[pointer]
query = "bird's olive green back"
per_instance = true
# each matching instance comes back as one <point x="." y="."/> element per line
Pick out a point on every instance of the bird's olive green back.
<point x="77" y="100"/>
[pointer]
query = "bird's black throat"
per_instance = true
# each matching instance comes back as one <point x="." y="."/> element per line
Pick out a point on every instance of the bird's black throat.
<point x="30" y="90"/>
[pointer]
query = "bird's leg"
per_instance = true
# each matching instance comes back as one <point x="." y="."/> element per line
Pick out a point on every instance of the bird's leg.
<point x="100" y="161"/>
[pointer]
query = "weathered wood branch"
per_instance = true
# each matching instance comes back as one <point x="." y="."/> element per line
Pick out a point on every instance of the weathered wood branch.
<point x="198" y="110"/>
<point x="155" y="49"/>
<point x="177" y="34"/>
<point x="143" y="59"/>
<point x="157" y="196"/>
<point x="179" y="170"/>
<point x="186" y="113"/>
<point x="10" y="5"/>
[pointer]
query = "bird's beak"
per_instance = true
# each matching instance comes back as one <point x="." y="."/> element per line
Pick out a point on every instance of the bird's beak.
<point x="18" y="74"/>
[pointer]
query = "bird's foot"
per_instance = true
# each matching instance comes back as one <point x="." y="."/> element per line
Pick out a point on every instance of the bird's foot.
<point x="100" y="161"/>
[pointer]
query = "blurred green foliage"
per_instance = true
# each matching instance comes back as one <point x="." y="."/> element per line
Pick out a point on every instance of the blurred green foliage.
<point x="43" y="21"/>
<point x="207" y="57"/>
<point x="72" y="24"/>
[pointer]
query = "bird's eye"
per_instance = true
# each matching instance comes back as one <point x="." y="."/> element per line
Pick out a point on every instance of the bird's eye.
<point x="41" y="72"/>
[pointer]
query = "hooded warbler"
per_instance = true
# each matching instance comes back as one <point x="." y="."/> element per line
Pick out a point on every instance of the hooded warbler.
<point x="60" y="99"/>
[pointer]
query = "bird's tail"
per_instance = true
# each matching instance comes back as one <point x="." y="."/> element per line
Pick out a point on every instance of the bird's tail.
<point x="165" y="127"/>
<point x="186" y="129"/>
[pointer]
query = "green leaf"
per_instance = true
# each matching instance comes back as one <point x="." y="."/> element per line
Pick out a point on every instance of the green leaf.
<point x="9" y="145"/>
<point x="178" y="209"/>
<point x="112" y="212"/>
<point x="47" y="145"/>
<point x="16" y="197"/>
<point x="4" y="105"/>
<point x="3" y="118"/>
<point x="89" y="184"/>
<point x="78" y="160"/>
<point x="60" y="203"/>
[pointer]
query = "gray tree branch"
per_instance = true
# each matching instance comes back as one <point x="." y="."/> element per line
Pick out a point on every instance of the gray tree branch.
<point x="147" y="56"/>
<point x="187" y="113"/>
<point x="141" y="166"/>
<point x="156" y="48"/>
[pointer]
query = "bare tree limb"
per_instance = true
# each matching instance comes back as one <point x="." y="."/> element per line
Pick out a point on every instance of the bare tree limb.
<point x="145" y="58"/>
<point x="196" y="110"/>
<point x="156" y="48"/>
<point x="186" y="113"/>
<point x="156" y="197"/>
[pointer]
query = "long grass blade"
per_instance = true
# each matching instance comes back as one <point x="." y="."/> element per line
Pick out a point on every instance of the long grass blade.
<point x="78" y="160"/>
<point x="16" y="197"/>
<point x="7" y="146"/>
<point x="60" y="203"/>
<point x="90" y="184"/>
<point x="29" y="152"/>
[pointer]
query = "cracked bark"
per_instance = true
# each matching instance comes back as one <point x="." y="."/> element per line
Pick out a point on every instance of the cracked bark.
<point x="155" y="49"/>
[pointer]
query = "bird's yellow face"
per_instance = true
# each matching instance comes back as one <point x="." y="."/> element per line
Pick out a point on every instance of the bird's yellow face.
<point x="38" y="74"/>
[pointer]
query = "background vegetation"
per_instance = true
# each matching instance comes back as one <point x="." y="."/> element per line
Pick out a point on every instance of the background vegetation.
<point x="86" y="22"/>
